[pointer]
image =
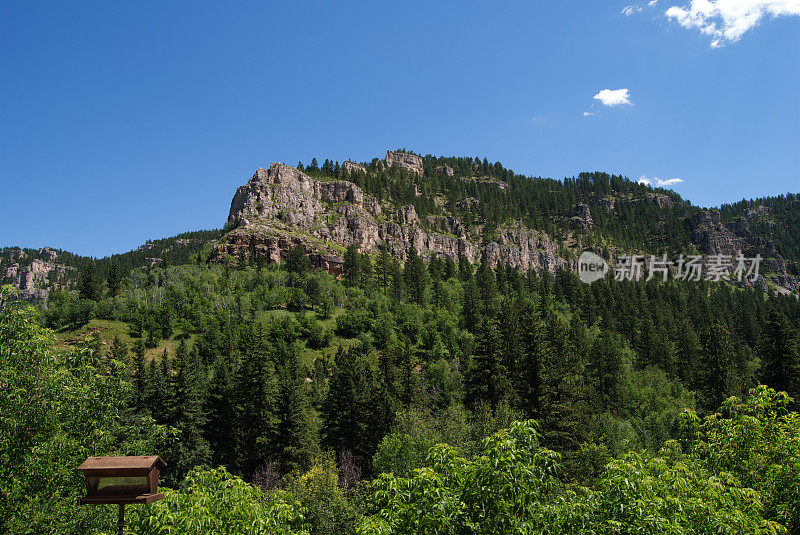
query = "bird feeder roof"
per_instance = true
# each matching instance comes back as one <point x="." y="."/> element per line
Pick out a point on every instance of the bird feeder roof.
<point x="138" y="462"/>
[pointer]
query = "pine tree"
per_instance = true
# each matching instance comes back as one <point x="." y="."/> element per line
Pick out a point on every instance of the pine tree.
<point x="139" y="370"/>
<point x="219" y="406"/>
<point x="470" y="309"/>
<point x="607" y="368"/>
<point x="119" y="349"/>
<point x="295" y="443"/>
<point x="351" y="268"/>
<point x="297" y="260"/>
<point x="565" y="409"/>
<point x="780" y="356"/>
<point x="89" y="285"/>
<point x="488" y="379"/>
<point x="191" y="389"/>
<point x="486" y="289"/>
<point x="347" y="413"/>
<point x="716" y="367"/>
<point x="535" y="352"/>
<point x="114" y="279"/>
<point x="383" y="268"/>
<point x="256" y="391"/>
<point x="415" y="277"/>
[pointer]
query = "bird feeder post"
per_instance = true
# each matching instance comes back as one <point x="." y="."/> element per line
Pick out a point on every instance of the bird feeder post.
<point x="121" y="480"/>
<point x="121" y="519"/>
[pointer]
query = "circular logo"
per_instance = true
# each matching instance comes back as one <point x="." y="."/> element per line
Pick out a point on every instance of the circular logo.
<point x="591" y="267"/>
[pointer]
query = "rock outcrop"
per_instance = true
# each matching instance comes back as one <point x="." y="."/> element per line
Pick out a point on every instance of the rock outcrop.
<point x="712" y="237"/>
<point x="281" y="207"/>
<point x="405" y="160"/>
<point x="445" y="170"/>
<point x="35" y="279"/>
<point x="354" y="167"/>
<point x="581" y="218"/>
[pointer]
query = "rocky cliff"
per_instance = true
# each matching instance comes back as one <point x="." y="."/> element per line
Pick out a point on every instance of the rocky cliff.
<point x="34" y="276"/>
<point x="281" y="207"/>
<point x="405" y="160"/>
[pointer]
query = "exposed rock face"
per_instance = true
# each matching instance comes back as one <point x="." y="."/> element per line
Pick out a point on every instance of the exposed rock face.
<point x="663" y="201"/>
<point x="282" y="207"/>
<point x="35" y="280"/>
<point x="487" y="180"/>
<point x="445" y="170"/>
<point x="735" y="238"/>
<point x="404" y="160"/>
<point x="582" y="218"/>
<point x="755" y="212"/>
<point x="712" y="237"/>
<point x="409" y="214"/>
<point x="354" y="166"/>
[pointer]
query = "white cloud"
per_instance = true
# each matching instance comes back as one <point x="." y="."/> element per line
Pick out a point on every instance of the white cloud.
<point x="657" y="182"/>
<point x="588" y="113"/>
<point x="651" y="3"/>
<point x="630" y="10"/>
<point x="726" y="21"/>
<point x="614" y="97"/>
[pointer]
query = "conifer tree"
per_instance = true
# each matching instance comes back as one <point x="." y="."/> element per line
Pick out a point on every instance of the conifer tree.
<point x="351" y="268"/>
<point x="347" y="413"/>
<point x="191" y="390"/>
<point x="780" y="356"/>
<point x="256" y="391"/>
<point x="488" y="379"/>
<point x="716" y="367"/>
<point x="415" y="277"/>
<point x="607" y="368"/>
<point x="297" y="260"/>
<point x="486" y="289"/>
<point x="219" y="406"/>
<point x="139" y="370"/>
<point x="564" y="402"/>
<point x="383" y="268"/>
<point x="534" y="355"/>
<point x="119" y="349"/>
<point x="89" y="285"/>
<point x="114" y="279"/>
<point x="295" y="445"/>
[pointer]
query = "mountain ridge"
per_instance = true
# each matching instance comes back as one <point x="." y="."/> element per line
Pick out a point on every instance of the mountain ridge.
<point x="453" y="206"/>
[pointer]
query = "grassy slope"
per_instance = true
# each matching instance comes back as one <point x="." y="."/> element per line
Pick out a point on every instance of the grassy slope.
<point x="108" y="329"/>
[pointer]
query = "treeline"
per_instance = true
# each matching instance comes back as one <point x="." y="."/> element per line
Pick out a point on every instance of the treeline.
<point x="109" y="270"/>
<point x="278" y="363"/>
<point x="780" y="221"/>
<point x="310" y="388"/>
<point x="625" y="214"/>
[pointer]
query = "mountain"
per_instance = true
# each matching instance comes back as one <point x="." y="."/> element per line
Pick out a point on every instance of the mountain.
<point x="460" y="207"/>
<point x="455" y="207"/>
<point x="35" y="272"/>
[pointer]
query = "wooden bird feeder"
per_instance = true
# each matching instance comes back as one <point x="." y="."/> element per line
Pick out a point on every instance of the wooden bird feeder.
<point x="122" y="480"/>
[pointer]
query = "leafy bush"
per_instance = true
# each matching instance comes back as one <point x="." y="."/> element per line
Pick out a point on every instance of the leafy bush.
<point x="214" y="501"/>
<point x="328" y="510"/>
<point x="353" y="323"/>
<point x="56" y="409"/>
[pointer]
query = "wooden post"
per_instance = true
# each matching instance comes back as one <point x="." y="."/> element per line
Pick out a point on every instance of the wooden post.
<point x="121" y="518"/>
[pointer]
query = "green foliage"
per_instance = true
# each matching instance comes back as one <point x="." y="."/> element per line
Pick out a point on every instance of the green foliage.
<point x="758" y="441"/>
<point x="513" y="488"/>
<point x="328" y="511"/>
<point x="57" y="409"/>
<point x="214" y="501"/>
<point x="492" y="493"/>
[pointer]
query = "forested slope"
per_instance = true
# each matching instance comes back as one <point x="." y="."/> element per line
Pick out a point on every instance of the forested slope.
<point x="411" y="392"/>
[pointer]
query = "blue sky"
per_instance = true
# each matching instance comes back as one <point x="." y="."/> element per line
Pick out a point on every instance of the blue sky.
<point x="121" y="122"/>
